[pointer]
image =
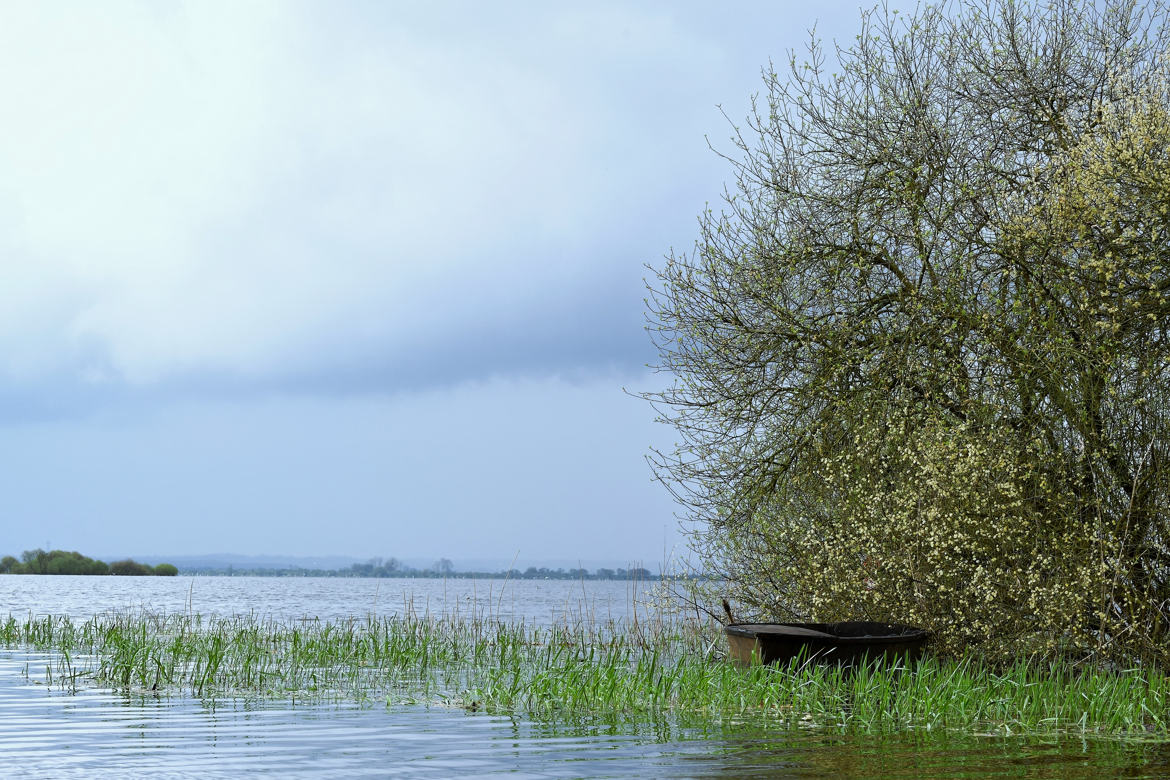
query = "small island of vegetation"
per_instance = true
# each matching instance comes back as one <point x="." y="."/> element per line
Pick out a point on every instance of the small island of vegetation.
<point x="62" y="562"/>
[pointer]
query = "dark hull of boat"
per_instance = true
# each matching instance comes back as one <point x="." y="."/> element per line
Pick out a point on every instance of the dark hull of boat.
<point x="846" y="643"/>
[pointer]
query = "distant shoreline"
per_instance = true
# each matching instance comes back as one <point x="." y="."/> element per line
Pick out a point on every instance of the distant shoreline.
<point x="366" y="570"/>
<point x="57" y="562"/>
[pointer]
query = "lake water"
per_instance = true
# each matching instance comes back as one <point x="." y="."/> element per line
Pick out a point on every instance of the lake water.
<point x="49" y="733"/>
<point x="326" y="598"/>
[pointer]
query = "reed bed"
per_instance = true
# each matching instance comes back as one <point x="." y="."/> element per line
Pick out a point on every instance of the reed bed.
<point x="647" y="672"/>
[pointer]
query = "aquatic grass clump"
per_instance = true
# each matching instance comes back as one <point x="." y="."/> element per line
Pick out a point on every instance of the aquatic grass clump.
<point x="648" y="672"/>
<point x="930" y="694"/>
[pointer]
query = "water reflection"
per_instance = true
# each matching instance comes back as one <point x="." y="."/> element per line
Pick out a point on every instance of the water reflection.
<point x="920" y="755"/>
<point x="47" y="733"/>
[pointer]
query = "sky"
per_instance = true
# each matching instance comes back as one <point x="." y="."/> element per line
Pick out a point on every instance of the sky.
<point x="354" y="278"/>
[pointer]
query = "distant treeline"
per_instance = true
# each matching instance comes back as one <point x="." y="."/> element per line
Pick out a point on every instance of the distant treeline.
<point x="378" y="567"/>
<point x="62" y="562"/>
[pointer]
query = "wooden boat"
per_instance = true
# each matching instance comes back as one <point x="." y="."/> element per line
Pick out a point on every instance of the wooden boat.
<point x="846" y="643"/>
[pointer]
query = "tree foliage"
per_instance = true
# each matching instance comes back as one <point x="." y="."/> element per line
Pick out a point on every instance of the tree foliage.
<point x="54" y="562"/>
<point x="62" y="562"/>
<point x="130" y="568"/>
<point x="921" y="356"/>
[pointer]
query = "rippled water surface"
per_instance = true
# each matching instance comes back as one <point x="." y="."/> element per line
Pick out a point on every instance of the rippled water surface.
<point x="47" y="732"/>
<point x="326" y="598"/>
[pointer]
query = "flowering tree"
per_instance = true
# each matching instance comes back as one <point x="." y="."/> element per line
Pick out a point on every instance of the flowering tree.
<point x="921" y="357"/>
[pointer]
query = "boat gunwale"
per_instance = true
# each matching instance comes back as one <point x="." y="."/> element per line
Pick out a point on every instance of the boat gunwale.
<point x="748" y="631"/>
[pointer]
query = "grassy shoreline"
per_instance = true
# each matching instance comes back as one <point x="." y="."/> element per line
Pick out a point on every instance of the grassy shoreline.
<point x="648" y="672"/>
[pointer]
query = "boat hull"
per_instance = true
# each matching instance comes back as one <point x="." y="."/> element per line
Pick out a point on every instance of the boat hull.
<point x="845" y="643"/>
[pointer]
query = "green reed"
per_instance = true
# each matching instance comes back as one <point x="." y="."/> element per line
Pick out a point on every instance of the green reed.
<point x="641" y="671"/>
